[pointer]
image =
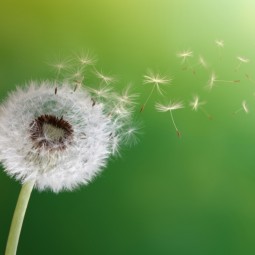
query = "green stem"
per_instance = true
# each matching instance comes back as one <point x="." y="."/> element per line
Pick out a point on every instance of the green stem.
<point x="18" y="218"/>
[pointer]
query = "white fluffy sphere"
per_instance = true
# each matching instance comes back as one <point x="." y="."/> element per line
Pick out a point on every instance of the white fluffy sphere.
<point x="57" y="136"/>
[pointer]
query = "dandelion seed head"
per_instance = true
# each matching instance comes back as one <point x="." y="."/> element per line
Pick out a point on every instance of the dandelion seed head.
<point x="61" y="140"/>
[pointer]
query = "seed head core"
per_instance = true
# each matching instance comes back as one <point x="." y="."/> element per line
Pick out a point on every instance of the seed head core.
<point x="51" y="132"/>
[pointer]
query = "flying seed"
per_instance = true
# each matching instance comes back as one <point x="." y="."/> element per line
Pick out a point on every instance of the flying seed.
<point x="172" y="106"/>
<point x="156" y="80"/>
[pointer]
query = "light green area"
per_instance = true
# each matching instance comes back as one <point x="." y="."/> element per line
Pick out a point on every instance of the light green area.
<point x="193" y="195"/>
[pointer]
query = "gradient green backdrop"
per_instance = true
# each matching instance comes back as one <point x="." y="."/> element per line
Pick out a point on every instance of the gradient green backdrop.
<point x="189" y="196"/>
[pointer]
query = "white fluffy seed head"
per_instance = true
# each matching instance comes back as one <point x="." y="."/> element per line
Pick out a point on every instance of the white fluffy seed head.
<point x="58" y="137"/>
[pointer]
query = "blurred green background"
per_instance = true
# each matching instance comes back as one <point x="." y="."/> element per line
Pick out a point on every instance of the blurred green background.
<point x="167" y="195"/>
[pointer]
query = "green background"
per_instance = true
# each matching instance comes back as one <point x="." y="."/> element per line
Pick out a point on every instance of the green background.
<point x="167" y="195"/>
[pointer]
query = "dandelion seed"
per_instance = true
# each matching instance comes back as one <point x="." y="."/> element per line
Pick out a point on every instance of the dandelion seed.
<point x="121" y="111"/>
<point x="184" y="55"/>
<point x="202" y="61"/>
<point x="126" y="97"/>
<point x="243" y="108"/>
<point x="86" y="59"/>
<point x="78" y="74"/>
<point x="213" y="79"/>
<point x="76" y="77"/>
<point x="172" y="106"/>
<point x="219" y="43"/>
<point x="131" y="135"/>
<point x="196" y="104"/>
<point x="241" y="60"/>
<point x="156" y="80"/>
<point x="103" y="92"/>
<point x="60" y="66"/>
<point x="105" y="79"/>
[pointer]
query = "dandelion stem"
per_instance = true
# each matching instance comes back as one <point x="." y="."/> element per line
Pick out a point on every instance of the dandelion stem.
<point x="238" y="110"/>
<point x="206" y="113"/>
<point x="18" y="218"/>
<point x="233" y="81"/>
<point x="142" y="108"/>
<point x="177" y="131"/>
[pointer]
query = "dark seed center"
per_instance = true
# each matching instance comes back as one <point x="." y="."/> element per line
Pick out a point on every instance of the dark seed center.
<point x="51" y="132"/>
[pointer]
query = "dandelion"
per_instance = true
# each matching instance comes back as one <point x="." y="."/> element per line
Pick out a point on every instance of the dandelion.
<point x="196" y="104"/>
<point x="172" y="106"/>
<point x="156" y="80"/>
<point x="41" y="130"/>
<point x="56" y="139"/>
<point x="213" y="79"/>
<point x="243" y="108"/>
<point x="241" y="60"/>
